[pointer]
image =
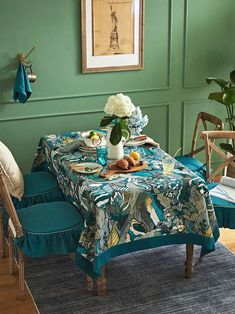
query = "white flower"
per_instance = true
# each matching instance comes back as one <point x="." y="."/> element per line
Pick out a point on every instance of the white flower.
<point x="119" y="105"/>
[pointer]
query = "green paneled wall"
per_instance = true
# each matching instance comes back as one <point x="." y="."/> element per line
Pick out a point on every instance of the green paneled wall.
<point x="185" y="41"/>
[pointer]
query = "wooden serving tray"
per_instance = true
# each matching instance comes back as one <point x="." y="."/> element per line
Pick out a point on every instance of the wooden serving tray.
<point x="112" y="171"/>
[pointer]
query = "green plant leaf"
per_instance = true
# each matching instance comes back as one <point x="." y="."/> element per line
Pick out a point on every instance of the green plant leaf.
<point x="106" y="121"/>
<point x="232" y="76"/>
<point x="222" y="83"/>
<point x="125" y="129"/>
<point x="227" y="147"/>
<point x="229" y="96"/>
<point x="217" y="96"/>
<point x="116" y="134"/>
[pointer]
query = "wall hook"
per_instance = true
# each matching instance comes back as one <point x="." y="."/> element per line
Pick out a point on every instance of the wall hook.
<point x="22" y="58"/>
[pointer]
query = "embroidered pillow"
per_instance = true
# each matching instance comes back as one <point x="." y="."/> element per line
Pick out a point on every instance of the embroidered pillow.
<point x="13" y="176"/>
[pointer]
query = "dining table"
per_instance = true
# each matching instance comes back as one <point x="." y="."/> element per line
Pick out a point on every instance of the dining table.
<point x="129" y="211"/>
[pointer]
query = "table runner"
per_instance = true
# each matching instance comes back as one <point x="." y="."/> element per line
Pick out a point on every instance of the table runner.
<point x="130" y="212"/>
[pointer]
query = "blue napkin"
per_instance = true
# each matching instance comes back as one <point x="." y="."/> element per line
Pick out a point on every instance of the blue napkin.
<point x="22" y="88"/>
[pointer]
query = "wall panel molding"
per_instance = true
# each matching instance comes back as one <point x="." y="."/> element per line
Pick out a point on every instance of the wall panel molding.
<point x="85" y="95"/>
<point x="59" y="114"/>
<point x="186" y="84"/>
<point x="168" y="111"/>
<point x="169" y="57"/>
<point x="186" y="103"/>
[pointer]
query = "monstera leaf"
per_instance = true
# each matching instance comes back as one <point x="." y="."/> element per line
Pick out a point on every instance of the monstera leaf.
<point x="222" y="83"/>
<point x="225" y="96"/>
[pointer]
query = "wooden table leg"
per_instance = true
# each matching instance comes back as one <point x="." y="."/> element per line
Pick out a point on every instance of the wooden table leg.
<point x="101" y="283"/>
<point x="90" y="284"/>
<point x="189" y="261"/>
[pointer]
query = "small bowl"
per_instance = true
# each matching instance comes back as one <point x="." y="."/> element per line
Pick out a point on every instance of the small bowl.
<point x="93" y="143"/>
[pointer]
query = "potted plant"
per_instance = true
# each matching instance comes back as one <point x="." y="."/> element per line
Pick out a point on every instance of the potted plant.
<point x="118" y="109"/>
<point x="226" y="96"/>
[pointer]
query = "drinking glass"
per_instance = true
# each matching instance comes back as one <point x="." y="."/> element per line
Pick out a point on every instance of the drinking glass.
<point x="101" y="155"/>
<point x="168" y="165"/>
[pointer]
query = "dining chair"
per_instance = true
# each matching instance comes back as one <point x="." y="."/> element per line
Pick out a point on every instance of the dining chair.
<point x="40" y="230"/>
<point x="26" y="190"/>
<point x="206" y="121"/>
<point x="224" y="209"/>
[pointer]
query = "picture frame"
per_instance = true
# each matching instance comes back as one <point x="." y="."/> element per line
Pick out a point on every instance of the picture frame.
<point x="112" y="35"/>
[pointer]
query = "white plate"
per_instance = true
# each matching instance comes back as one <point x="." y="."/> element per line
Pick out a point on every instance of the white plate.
<point x="135" y="143"/>
<point x="93" y="143"/>
<point x="83" y="167"/>
<point x="87" y="149"/>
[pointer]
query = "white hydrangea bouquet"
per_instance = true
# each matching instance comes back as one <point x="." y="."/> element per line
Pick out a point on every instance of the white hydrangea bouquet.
<point x="119" y="108"/>
<point x="137" y="122"/>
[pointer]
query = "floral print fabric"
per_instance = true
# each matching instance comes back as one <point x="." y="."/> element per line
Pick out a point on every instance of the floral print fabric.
<point x="134" y="206"/>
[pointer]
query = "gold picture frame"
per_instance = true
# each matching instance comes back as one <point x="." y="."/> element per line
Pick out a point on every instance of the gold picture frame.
<point x="112" y="35"/>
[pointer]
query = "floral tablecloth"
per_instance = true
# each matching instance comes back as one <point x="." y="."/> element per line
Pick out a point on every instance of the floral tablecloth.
<point x="130" y="212"/>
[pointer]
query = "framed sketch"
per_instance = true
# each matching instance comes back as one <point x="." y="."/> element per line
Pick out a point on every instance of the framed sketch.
<point x="112" y="35"/>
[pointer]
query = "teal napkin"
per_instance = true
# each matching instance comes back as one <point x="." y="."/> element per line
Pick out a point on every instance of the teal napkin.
<point x="22" y="88"/>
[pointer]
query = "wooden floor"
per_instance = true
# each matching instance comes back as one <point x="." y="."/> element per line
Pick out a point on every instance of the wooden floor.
<point x="9" y="304"/>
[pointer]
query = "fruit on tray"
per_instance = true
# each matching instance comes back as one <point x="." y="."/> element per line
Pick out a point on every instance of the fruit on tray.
<point x="135" y="155"/>
<point x="130" y="160"/>
<point x="123" y="164"/>
<point x="126" y="163"/>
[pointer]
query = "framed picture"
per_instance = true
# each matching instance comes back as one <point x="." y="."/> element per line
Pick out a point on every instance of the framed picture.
<point x="112" y="35"/>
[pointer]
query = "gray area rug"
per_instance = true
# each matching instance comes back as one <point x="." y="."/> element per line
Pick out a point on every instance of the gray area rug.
<point x="149" y="281"/>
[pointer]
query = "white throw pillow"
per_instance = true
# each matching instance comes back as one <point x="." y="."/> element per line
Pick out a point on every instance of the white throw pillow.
<point x="13" y="175"/>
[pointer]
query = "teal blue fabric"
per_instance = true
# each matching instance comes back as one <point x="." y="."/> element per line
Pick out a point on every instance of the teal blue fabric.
<point x="194" y="165"/>
<point x="22" y="89"/>
<point x="49" y="229"/>
<point x="94" y="268"/>
<point x="224" y="210"/>
<point x="39" y="187"/>
<point x="135" y="211"/>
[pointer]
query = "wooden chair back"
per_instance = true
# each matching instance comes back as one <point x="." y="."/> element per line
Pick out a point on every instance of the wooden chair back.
<point x="8" y="204"/>
<point x="203" y="118"/>
<point x="209" y="138"/>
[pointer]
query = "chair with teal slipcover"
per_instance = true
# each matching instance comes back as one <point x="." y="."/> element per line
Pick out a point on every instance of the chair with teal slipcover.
<point x="224" y="209"/>
<point x="205" y="120"/>
<point x="40" y="230"/>
<point x="37" y="187"/>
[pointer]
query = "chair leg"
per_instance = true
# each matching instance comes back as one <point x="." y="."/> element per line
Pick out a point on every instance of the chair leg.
<point x="21" y="276"/>
<point x="101" y="283"/>
<point x="72" y="256"/>
<point x="2" y="244"/>
<point x="189" y="261"/>
<point x="11" y="257"/>
<point x="90" y="284"/>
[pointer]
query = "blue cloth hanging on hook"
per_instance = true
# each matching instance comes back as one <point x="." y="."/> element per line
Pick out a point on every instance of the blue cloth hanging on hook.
<point x="22" y="89"/>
